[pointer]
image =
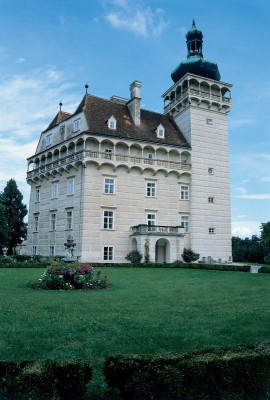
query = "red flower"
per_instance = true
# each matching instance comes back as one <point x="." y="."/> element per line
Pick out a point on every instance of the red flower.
<point x="105" y="277"/>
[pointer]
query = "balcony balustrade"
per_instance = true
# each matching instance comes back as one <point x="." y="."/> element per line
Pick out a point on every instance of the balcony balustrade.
<point x="84" y="155"/>
<point x="157" y="230"/>
<point x="199" y="93"/>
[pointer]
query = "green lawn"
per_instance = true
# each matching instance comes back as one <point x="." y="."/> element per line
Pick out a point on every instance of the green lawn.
<point x="145" y="311"/>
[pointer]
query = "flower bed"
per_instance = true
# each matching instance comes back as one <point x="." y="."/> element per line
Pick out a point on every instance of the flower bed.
<point x="70" y="277"/>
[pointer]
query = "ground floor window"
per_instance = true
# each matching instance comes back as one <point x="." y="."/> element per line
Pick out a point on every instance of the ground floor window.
<point x="108" y="253"/>
<point x="52" y="251"/>
<point x="151" y="221"/>
<point x="34" y="250"/>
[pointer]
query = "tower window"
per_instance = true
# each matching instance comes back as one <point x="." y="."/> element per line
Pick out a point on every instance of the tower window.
<point x="184" y="192"/>
<point x="209" y="121"/>
<point x="211" y="199"/>
<point x="76" y="125"/>
<point x="212" y="231"/>
<point x="211" y="171"/>
<point x="48" y="140"/>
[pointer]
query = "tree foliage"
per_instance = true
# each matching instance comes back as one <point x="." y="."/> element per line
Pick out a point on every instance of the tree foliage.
<point x="254" y="250"/>
<point x="15" y="211"/>
<point x="3" y="226"/>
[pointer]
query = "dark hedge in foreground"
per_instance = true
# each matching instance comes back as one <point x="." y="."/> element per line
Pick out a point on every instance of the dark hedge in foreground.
<point x="264" y="270"/>
<point x="25" y="265"/>
<point x="44" y="379"/>
<point x="241" y="373"/>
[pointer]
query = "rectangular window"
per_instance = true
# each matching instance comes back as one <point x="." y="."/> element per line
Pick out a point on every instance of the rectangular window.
<point x="211" y="171"/>
<point x="109" y="186"/>
<point x="48" y="140"/>
<point x="108" y="219"/>
<point x="151" y="222"/>
<point x="212" y="231"/>
<point x="70" y="187"/>
<point x="112" y="124"/>
<point x="108" y="154"/>
<point x="184" y="192"/>
<point x="52" y="251"/>
<point x="54" y="191"/>
<point x="185" y="222"/>
<point x="150" y="189"/>
<point x="108" y="253"/>
<point x="209" y="121"/>
<point x="150" y="157"/>
<point x="76" y="125"/>
<point x="69" y="220"/>
<point x="34" y="251"/>
<point x="37" y="196"/>
<point x="211" y="199"/>
<point x="35" y="227"/>
<point x="53" y="222"/>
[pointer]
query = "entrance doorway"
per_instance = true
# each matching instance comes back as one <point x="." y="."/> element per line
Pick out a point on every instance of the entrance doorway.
<point x="162" y="251"/>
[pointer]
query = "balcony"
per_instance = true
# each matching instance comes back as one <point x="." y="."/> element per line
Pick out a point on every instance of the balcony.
<point x="157" y="230"/>
<point x="117" y="159"/>
<point x="201" y="95"/>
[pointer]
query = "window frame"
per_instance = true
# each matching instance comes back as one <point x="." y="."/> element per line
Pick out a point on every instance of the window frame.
<point x="184" y="192"/>
<point x="48" y="140"/>
<point x="69" y="220"/>
<point x="70" y="193"/>
<point x="151" y="222"/>
<point x="36" y="223"/>
<point x="108" y="220"/>
<point x="108" y="185"/>
<point x="151" y="189"/>
<point x="109" y="253"/>
<point x="185" y="221"/>
<point x="54" y="191"/>
<point x="76" y="125"/>
<point x="211" y="200"/>
<point x="52" y="222"/>
<point x="210" y="171"/>
<point x="52" y="250"/>
<point x="37" y="195"/>
<point x="212" y="230"/>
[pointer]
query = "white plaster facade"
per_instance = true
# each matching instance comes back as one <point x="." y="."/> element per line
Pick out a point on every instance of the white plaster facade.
<point x="114" y="194"/>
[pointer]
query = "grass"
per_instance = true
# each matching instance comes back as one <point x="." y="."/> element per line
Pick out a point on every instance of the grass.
<point x="145" y="311"/>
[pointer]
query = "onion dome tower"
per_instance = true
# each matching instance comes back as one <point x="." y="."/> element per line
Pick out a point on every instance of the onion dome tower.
<point x="195" y="62"/>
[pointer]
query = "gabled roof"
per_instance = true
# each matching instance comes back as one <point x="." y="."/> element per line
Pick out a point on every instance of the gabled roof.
<point x="97" y="111"/>
<point x="60" y="117"/>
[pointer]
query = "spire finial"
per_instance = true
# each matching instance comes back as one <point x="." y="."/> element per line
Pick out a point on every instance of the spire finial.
<point x="60" y="105"/>
<point x="86" y="87"/>
<point x="193" y="23"/>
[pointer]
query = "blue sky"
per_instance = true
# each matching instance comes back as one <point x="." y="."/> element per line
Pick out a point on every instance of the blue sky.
<point x="50" y="49"/>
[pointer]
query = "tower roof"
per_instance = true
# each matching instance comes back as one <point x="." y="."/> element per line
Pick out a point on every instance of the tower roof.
<point x="195" y="62"/>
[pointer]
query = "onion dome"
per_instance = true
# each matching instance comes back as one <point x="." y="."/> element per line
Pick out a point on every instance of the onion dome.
<point x="195" y="63"/>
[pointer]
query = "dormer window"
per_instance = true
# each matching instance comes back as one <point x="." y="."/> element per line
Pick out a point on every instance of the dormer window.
<point x="160" y="131"/>
<point x="48" y="140"/>
<point x="76" y="125"/>
<point x="112" y="122"/>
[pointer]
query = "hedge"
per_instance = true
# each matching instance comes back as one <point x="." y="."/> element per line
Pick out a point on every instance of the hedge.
<point x="241" y="372"/>
<point x="264" y="270"/>
<point x="25" y="265"/>
<point x="44" y="379"/>
<point x="216" y="267"/>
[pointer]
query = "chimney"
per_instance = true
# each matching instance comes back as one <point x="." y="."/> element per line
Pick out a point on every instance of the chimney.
<point x="134" y="104"/>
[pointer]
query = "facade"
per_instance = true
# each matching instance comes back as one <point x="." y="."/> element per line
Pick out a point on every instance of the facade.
<point x="117" y="177"/>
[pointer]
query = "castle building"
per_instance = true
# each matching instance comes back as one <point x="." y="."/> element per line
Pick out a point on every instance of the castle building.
<point x="117" y="177"/>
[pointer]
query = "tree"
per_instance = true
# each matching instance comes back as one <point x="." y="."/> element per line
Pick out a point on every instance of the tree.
<point x="265" y="236"/>
<point x="15" y="211"/>
<point x="3" y="227"/>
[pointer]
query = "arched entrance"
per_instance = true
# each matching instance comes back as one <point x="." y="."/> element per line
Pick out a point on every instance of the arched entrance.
<point x="162" y="251"/>
<point x="134" y="244"/>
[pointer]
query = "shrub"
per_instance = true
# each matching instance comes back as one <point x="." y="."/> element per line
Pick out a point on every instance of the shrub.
<point x="266" y="259"/>
<point x="70" y="277"/>
<point x="189" y="255"/>
<point x="134" y="256"/>
<point x="240" y="372"/>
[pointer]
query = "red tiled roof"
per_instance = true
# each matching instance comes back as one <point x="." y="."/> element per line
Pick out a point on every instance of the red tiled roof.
<point x="97" y="112"/>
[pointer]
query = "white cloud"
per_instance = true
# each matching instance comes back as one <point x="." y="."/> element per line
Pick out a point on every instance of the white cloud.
<point x="183" y="30"/>
<point x="254" y="196"/>
<point x="240" y="189"/>
<point x="265" y="179"/>
<point x="242" y="216"/>
<point x="19" y="60"/>
<point x="240" y="122"/>
<point x="245" y="228"/>
<point x="135" y="17"/>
